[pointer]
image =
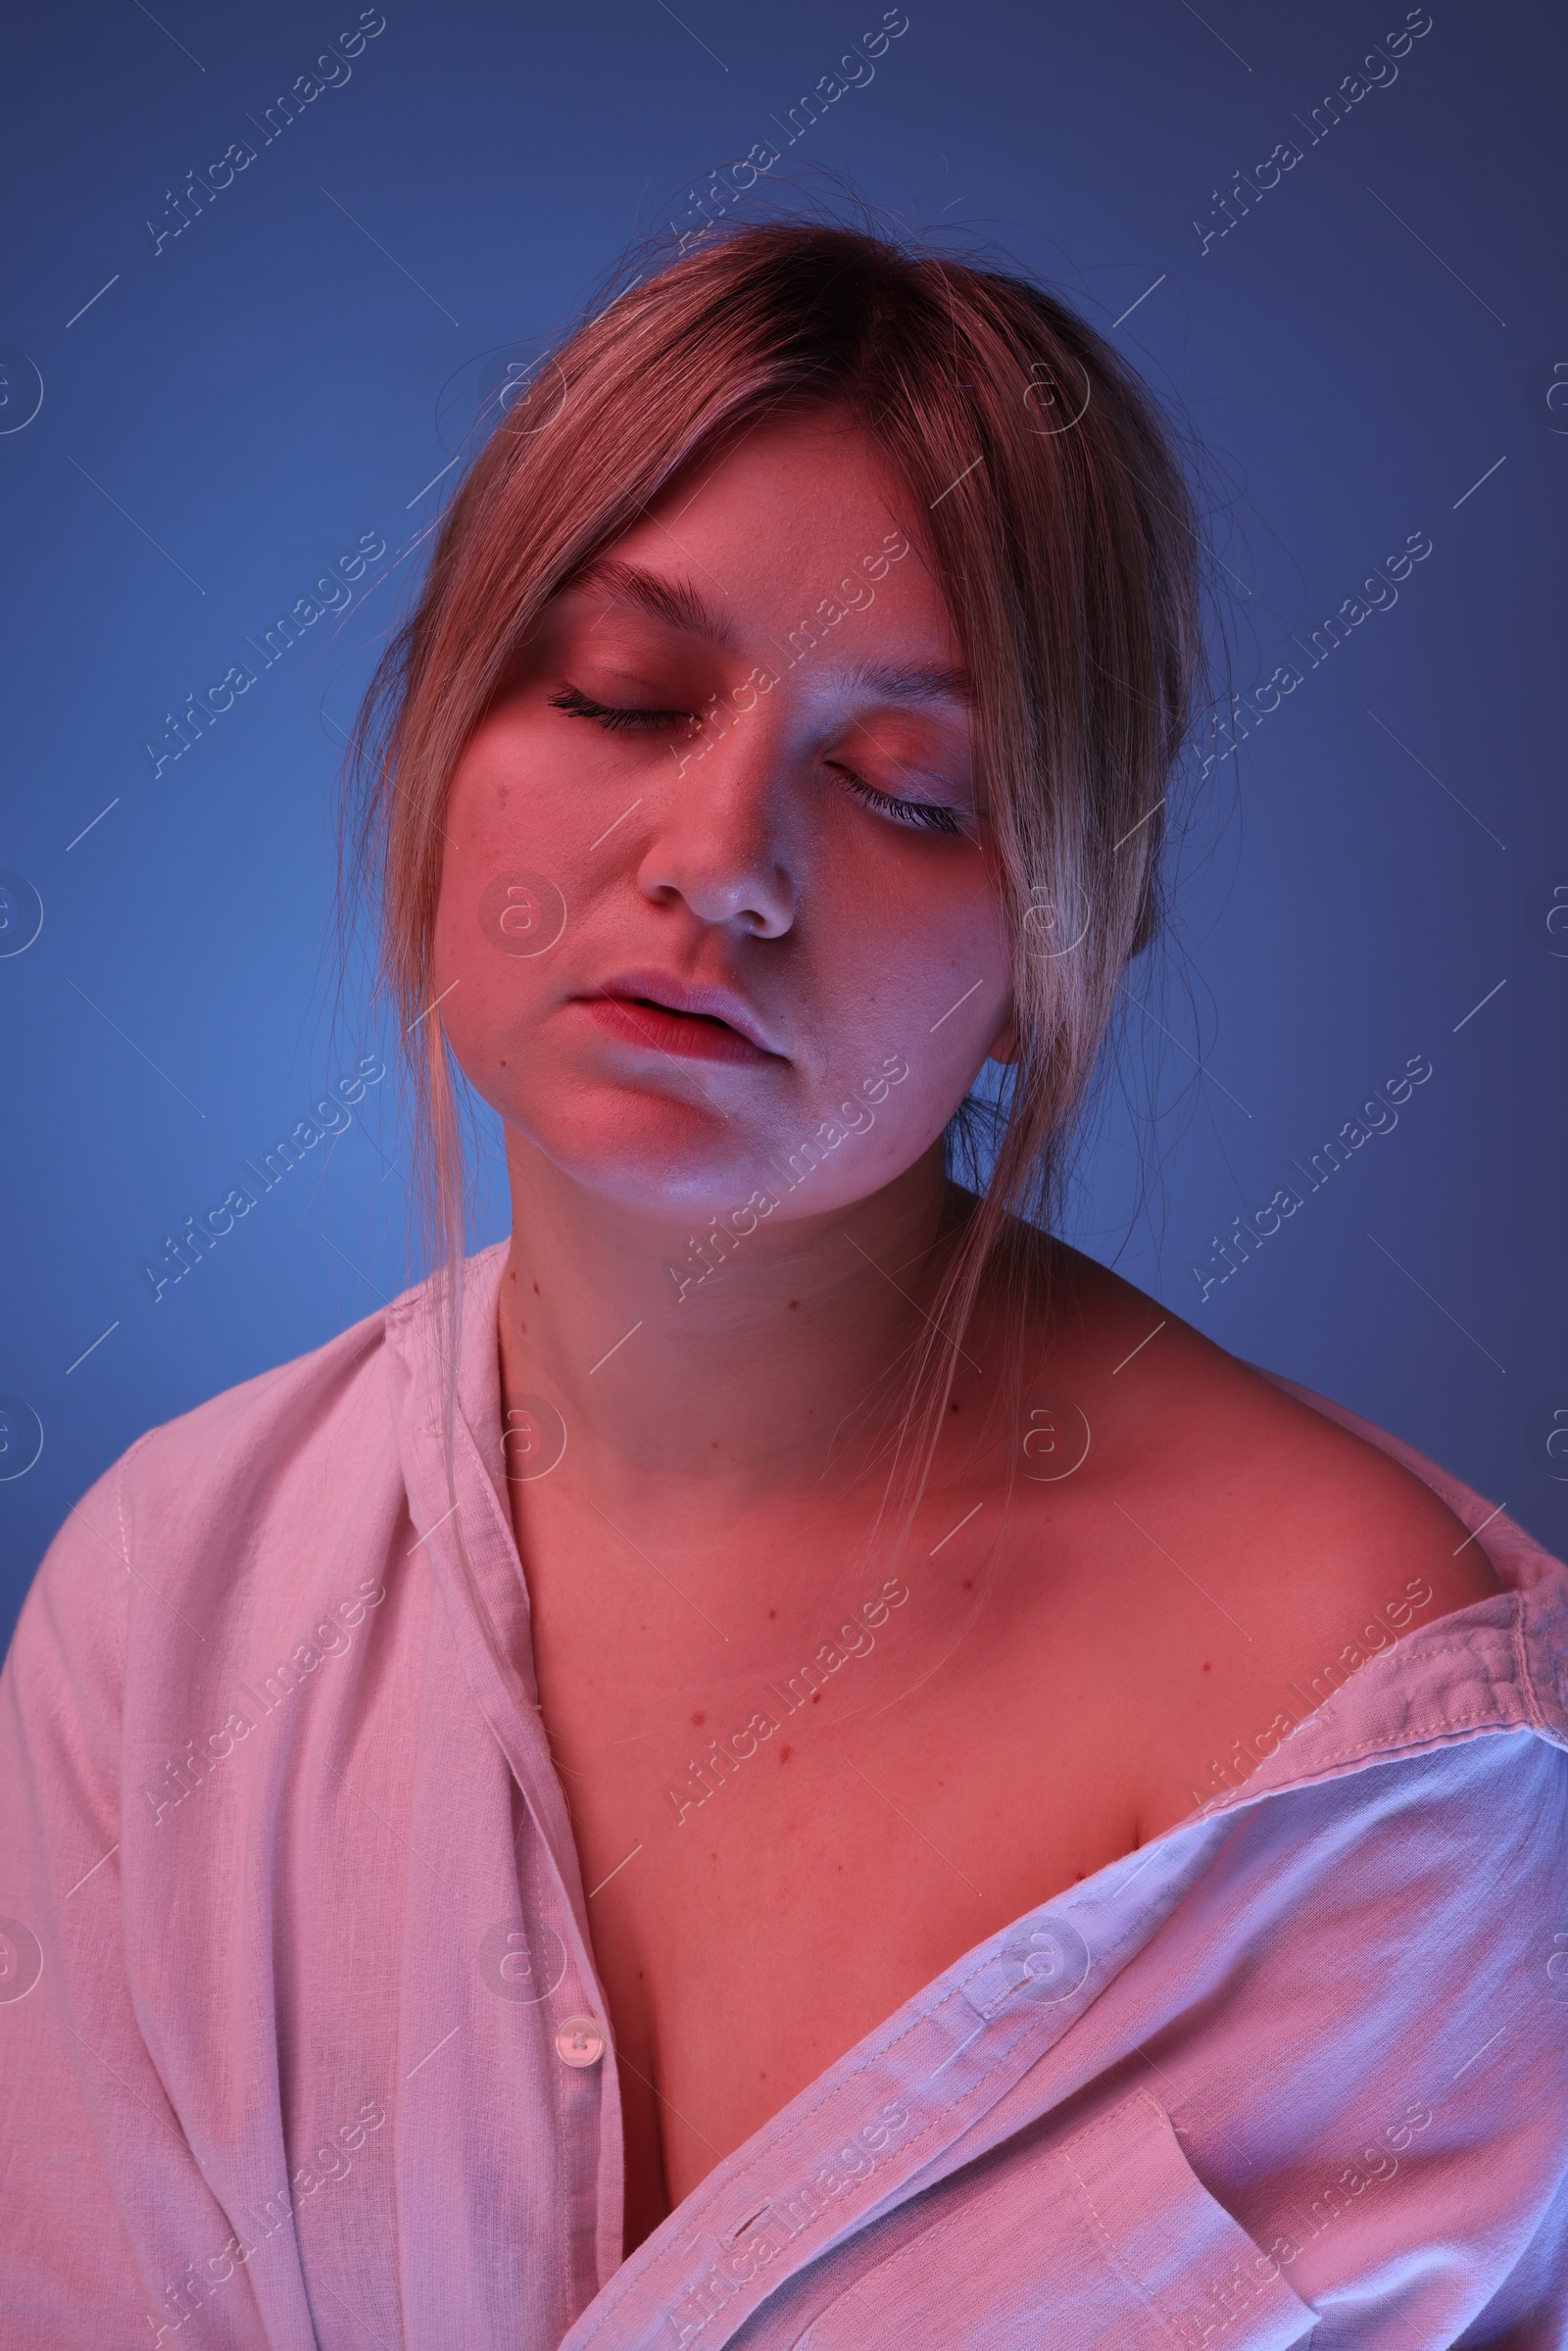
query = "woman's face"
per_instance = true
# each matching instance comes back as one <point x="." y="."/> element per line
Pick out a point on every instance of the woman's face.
<point x="690" y="962"/>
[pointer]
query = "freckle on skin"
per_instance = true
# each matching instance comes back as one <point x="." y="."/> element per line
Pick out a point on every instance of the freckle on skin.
<point x="794" y="1303"/>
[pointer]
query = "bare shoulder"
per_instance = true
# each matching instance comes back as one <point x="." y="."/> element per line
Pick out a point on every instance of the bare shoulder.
<point x="1278" y="1488"/>
<point x="1257" y="1551"/>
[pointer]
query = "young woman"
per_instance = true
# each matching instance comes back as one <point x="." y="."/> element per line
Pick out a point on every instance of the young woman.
<point x="783" y="1758"/>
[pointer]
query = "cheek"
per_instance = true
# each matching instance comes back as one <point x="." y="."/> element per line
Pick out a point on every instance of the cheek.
<point x="490" y="1003"/>
<point x="910" y="973"/>
<point x="507" y="880"/>
<point x="919" y="939"/>
<point x="518" y="801"/>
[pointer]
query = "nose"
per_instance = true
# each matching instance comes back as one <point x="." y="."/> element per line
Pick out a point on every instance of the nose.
<point x="716" y="845"/>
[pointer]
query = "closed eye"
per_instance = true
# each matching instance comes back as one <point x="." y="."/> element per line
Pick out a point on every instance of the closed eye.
<point x="918" y="814"/>
<point x="929" y="815"/>
<point x="578" y="704"/>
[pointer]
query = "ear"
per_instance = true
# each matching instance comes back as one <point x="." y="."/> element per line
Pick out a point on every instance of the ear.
<point x="1005" y="1046"/>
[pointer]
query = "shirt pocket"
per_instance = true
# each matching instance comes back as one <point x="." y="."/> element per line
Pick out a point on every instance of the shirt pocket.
<point x="1105" y="2241"/>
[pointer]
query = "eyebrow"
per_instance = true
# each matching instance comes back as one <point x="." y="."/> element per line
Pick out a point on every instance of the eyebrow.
<point x="913" y="681"/>
<point x="669" y="600"/>
<point x="679" y="606"/>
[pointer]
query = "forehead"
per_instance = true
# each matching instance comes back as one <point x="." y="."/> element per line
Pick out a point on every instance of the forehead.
<point x="762" y="531"/>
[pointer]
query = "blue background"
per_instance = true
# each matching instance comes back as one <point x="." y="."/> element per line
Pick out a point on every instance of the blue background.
<point x="237" y="409"/>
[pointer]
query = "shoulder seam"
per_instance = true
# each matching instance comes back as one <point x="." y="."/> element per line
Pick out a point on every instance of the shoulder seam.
<point x="124" y="1463"/>
<point x="1527" y="1681"/>
<point x="1456" y="1730"/>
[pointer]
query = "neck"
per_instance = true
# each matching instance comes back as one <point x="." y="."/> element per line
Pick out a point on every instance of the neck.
<point x="779" y="1368"/>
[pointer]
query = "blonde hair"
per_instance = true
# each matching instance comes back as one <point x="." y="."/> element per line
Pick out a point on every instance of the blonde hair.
<point x="1051" y="494"/>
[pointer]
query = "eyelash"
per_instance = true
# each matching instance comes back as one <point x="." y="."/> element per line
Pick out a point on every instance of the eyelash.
<point x="578" y="704"/>
<point x="919" y="816"/>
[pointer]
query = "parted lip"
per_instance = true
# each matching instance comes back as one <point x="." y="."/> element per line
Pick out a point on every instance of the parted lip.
<point x="698" y="997"/>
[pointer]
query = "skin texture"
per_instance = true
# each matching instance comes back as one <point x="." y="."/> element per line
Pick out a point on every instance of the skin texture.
<point x="1072" y="1658"/>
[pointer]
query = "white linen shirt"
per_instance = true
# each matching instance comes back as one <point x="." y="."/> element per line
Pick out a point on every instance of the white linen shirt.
<point x="297" y="1987"/>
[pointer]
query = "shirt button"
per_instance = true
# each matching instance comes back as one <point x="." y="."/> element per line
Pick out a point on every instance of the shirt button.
<point x="579" y="2041"/>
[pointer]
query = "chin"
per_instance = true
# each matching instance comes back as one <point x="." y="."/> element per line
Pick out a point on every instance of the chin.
<point x="654" y="1154"/>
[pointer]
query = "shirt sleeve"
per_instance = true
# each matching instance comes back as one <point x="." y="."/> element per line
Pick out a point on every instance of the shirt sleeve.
<point x="95" y="2153"/>
<point x="67" y="2258"/>
<point x="1371" y="2067"/>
